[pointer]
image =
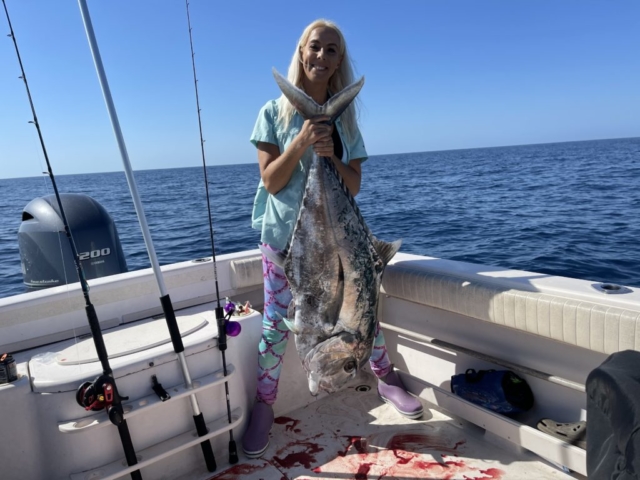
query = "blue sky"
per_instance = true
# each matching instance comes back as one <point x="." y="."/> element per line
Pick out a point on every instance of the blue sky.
<point x="439" y="75"/>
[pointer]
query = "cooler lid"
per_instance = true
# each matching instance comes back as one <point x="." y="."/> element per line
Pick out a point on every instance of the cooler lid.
<point x="129" y="339"/>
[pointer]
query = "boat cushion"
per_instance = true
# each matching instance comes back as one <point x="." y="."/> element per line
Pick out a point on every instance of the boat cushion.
<point x="585" y="324"/>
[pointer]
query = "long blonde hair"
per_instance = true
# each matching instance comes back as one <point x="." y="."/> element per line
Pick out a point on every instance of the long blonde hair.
<point x="343" y="77"/>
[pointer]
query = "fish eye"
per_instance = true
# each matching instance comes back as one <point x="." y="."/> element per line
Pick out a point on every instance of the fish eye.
<point x="350" y="366"/>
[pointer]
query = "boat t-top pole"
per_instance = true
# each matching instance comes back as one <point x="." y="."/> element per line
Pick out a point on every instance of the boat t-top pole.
<point x="165" y="300"/>
<point x="106" y="382"/>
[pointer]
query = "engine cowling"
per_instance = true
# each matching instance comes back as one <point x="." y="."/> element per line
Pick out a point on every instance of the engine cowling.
<point x="45" y="253"/>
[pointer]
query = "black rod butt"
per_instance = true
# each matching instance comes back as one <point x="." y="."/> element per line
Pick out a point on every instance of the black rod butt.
<point x="172" y="323"/>
<point x="207" y="449"/>
<point x="136" y="475"/>
<point x="129" y="452"/>
<point x="233" y="452"/>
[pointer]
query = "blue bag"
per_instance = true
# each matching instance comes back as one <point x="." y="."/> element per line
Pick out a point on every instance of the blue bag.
<point x="501" y="391"/>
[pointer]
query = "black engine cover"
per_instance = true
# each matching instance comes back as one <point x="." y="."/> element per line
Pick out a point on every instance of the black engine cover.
<point x="45" y="253"/>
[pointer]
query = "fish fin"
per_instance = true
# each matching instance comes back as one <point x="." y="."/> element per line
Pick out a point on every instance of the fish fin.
<point x="275" y="257"/>
<point x="307" y="106"/>
<point x="291" y="309"/>
<point x="386" y="250"/>
<point x="314" y="384"/>
<point x="303" y="103"/>
<point x="290" y="325"/>
<point x="341" y="101"/>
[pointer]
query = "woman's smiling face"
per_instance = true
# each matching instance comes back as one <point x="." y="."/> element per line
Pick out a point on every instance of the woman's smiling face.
<point x="321" y="55"/>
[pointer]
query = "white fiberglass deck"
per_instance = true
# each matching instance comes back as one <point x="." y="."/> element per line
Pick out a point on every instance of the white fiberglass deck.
<point x="353" y="435"/>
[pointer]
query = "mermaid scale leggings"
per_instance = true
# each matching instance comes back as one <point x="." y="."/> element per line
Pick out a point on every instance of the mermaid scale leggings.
<point x="275" y="335"/>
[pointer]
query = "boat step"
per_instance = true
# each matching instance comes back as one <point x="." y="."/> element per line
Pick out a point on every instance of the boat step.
<point x="145" y="404"/>
<point x="160" y="451"/>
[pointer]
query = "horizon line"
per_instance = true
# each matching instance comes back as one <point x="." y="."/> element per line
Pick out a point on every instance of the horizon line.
<point x="370" y="157"/>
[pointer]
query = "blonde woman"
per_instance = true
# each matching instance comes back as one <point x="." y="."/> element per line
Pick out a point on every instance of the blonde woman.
<point x="320" y="66"/>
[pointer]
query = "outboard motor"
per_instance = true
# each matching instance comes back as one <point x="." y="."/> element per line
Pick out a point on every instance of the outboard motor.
<point x="45" y="253"/>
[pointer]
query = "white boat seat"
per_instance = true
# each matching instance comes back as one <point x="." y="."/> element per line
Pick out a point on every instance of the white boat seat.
<point x="598" y="327"/>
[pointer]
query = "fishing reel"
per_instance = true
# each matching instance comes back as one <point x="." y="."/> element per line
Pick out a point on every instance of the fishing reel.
<point x="102" y="394"/>
<point x="226" y="326"/>
<point x="231" y="327"/>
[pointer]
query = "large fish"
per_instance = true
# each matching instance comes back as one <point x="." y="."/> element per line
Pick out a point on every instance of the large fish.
<point x="333" y="264"/>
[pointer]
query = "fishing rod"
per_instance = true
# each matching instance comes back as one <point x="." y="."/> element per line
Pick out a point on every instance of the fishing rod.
<point x="220" y="314"/>
<point x="165" y="300"/>
<point x="102" y="392"/>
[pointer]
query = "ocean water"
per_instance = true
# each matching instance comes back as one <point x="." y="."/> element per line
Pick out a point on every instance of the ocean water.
<point x="568" y="209"/>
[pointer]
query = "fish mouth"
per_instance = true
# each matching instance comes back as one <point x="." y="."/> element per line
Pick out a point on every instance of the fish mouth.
<point x="333" y="363"/>
<point x="328" y="387"/>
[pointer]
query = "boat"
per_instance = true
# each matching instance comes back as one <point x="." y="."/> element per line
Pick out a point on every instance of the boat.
<point x="432" y="310"/>
<point x="441" y="318"/>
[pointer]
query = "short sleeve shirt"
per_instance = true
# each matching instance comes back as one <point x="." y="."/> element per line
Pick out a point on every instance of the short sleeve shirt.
<point x="276" y="215"/>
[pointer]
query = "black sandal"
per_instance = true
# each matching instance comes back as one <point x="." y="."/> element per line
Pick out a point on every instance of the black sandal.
<point x="573" y="433"/>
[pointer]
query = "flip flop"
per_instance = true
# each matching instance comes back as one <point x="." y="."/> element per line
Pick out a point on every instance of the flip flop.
<point x="573" y="433"/>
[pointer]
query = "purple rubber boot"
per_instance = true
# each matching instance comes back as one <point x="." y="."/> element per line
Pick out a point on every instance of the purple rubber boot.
<point x="392" y="390"/>
<point x="256" y="438"/>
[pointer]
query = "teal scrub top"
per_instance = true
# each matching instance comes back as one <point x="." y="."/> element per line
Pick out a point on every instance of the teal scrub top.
<point x="276" y="215"/>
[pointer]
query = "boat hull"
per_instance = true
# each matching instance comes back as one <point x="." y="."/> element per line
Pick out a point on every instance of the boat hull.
<point x="560" y="327"/>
